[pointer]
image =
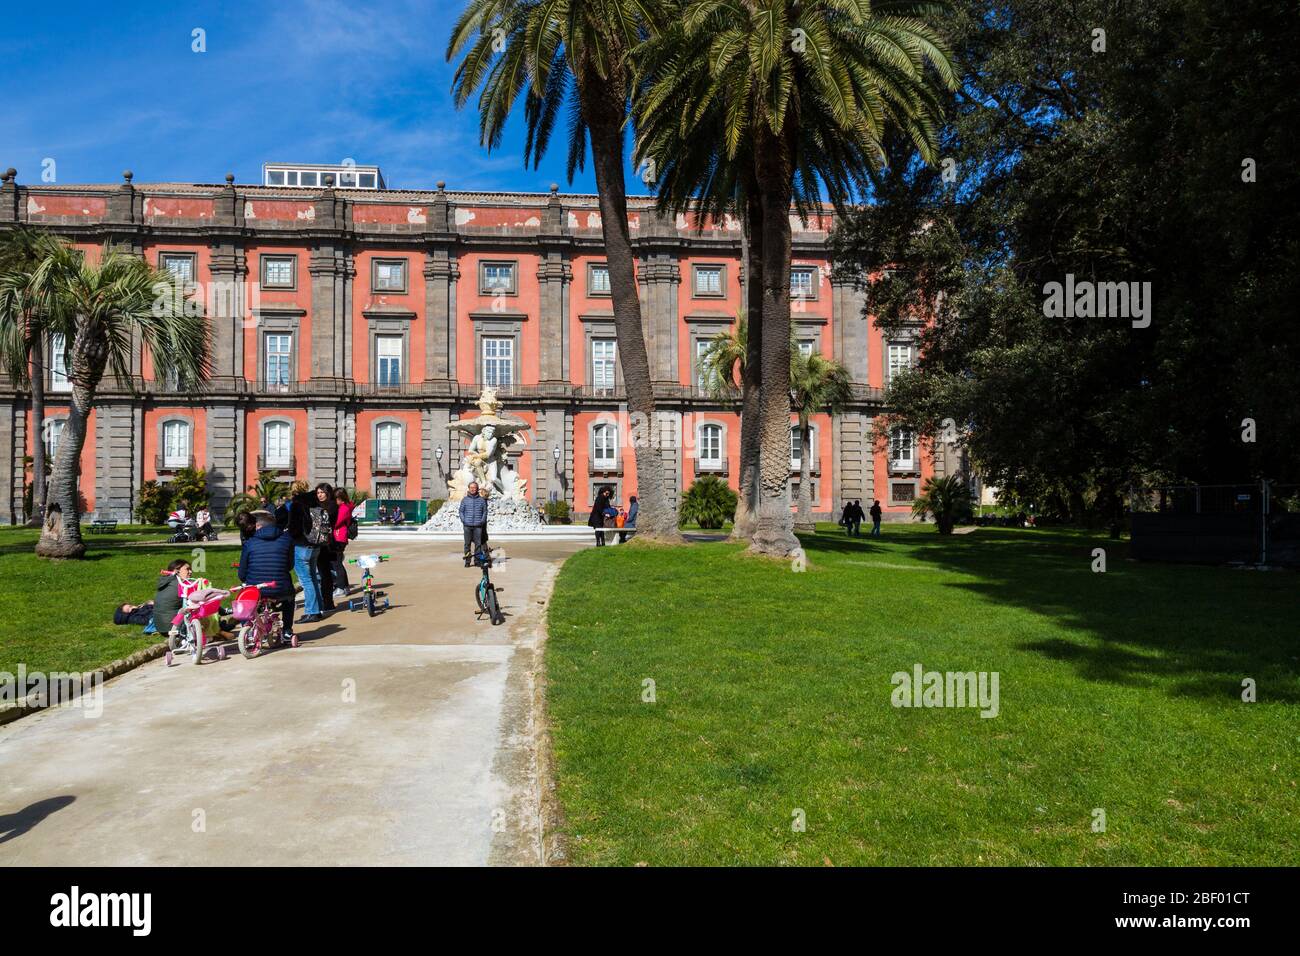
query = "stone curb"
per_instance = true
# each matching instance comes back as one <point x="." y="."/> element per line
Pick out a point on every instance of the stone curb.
<point x="11" y="712"/>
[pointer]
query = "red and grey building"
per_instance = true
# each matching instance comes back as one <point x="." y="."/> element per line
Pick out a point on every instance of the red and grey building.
<point x="352" y="324"/>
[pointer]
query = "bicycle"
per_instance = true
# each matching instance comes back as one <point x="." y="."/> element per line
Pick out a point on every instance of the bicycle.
<point x="369" y="596"/>
<point x="262" y="623"/>
<point x="485" y="593"/>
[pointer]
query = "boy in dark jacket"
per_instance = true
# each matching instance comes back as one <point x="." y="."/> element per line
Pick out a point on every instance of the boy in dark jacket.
<point x="268" y="556"/>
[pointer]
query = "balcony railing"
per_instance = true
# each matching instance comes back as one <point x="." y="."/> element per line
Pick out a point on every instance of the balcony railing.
<point x="912" y="467"/>
<point x="387" y="466"/>
<point x="721" y="468"/>
<point x="608" y="469"/>
<point x="281" y="467"/>
<point x="169" y="466"/>
<point x="814" y="468"/>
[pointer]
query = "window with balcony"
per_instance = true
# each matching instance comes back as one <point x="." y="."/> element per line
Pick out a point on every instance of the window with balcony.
<point x="176" y="445"/>
<point x="279" y="272"/>
<point x="710" y="447"/>
<point x="278" y="349"/>
<point x="702" y="346"/>
<point x="389" y="445"/>
<point x="388" y="359"/>
<point x="604" y="447"/>
<point x="58" y="363"/>
<point x="388" y="275"/>
<point x="498" y="361"/>
<point x="902" y="450"/>
<point x="603" y="359"/>
<point x="277" y="446"/>
<point x="796" y="448"/>
<point x="900" y="359"/>
<point x="53" y="435"/>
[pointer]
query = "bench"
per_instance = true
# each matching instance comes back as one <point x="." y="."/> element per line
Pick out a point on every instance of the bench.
<point x="103" y="527"/>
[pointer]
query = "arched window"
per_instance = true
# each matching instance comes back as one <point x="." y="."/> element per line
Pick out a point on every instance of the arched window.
<point x="176" y="444"/>
<point x="710" y="446"/>
<point x="53" y="435"/>
<point x="277" y="444"/>
<point x="604" y="441"/>
<point x="388" y="443"/>
<point x="902" y="449"/>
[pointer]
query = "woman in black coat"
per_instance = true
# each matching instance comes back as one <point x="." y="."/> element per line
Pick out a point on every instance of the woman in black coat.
<point x="597" y="519"/>
<point x="325" y="557"/>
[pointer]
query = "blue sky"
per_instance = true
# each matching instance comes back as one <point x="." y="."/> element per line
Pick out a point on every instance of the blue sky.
<point x="100" y="88"/>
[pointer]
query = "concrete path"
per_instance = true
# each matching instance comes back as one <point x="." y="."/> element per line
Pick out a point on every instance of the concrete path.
<point x="407" y="738"/>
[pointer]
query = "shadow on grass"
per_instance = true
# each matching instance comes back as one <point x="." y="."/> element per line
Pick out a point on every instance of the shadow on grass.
<point x="1193" y="631"/>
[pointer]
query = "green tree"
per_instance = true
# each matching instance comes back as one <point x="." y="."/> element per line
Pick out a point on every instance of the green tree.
<point x="99" y="308"/>
<point x="569" y="57"/>
<point x="817" y="384"/>
<point x="947" y="498"/>
<point x="730" y="357"/>
<point x="189" y="487"/>
<point x="153" y="503"/>
<point x="756" y="105"/>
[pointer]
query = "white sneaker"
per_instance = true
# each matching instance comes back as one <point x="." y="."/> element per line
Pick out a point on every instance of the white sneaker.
<point x="339" y="592"/>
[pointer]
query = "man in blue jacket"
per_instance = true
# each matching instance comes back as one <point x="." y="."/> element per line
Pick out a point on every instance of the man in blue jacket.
<point x="473" y="515"/>
<point x="268" y="556"/>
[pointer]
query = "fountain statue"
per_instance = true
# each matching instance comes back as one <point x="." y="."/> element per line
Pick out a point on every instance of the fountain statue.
<point x="487" y="461"/>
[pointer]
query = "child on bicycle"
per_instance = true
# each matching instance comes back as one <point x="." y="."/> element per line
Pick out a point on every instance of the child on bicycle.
<point x="267" y="556"/>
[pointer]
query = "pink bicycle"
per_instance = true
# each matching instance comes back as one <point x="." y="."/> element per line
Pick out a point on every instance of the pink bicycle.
<point x="259" y="617"/>
<point x="187" y="636"/>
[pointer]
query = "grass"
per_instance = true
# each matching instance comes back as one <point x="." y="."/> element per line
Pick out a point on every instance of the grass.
<point x="1118" y="691"/>
<point x="58" y="615"/>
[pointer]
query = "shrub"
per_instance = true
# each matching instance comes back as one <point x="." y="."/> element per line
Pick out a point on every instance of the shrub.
<point x="948" y="499"/>
<point x="435" y="505"/>
<point x="153" y="503"/>
<point x="709" y="503"/>
<point x="557" y="511"/>
<point x="190" y="488"/>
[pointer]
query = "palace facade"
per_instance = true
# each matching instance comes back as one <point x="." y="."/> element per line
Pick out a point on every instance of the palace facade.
<point x="351" y="326"/>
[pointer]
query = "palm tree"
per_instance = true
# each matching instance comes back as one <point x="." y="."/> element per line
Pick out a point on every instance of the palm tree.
<point x="817" y="384"/>
<point x="570" y="56"/>
<point x="948" y="499"/>
<point x="730" y="357"/>
<point x="99" y="307"/>
<point x="22" y="337"/>
<point x="754" y="104"/>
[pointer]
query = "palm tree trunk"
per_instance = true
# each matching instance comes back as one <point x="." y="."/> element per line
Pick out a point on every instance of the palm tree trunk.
<point x="604" y="110"/>
<point x="747" y="501"/>
<point x="805" y="521"/>
<point x="773" y="534"/>
<point x="61" y="532"/>
<point x="38" y="431"/>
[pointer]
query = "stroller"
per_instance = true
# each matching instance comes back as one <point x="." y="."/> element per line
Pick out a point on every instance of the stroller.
<point x="187" y="635"/>
<point x="187" y="529"/>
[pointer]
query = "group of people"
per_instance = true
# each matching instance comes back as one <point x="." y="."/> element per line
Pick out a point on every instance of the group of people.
<point x="605" y="516"/>
<point x="394" y="517"/>
<point x="852" y="516"/>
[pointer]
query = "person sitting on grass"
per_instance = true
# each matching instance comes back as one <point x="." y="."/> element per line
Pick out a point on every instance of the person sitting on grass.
<point x="174" y="583"/>
<point x="137" y="614"/>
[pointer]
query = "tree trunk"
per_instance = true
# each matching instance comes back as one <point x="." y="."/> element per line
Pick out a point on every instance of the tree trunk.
<point x="747" y="500"/>
<point x="38" y="431"/>
<point x="805" y="522"/>
<point x="604" y="109"/>
<point x="61" y="531"/>
<point x="773" y="534"/>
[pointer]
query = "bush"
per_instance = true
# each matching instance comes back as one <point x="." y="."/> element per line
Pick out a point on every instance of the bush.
<point x="435" y="505"/>
<point x="153" y="503"/>
<point x="709" y="503"/>
<point x="190" y="488"/>
<point x="557" y="512"/>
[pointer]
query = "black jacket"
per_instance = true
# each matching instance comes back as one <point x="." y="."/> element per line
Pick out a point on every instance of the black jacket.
<point x="166" y="602"/>
<point x="268" y="556"/>
<point x="875" y="512"/>
<point x="597" y="519"/>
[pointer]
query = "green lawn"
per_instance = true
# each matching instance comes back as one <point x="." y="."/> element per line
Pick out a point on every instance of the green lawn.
<point x="58" y="615"/>
<point x="1119" y="691"/>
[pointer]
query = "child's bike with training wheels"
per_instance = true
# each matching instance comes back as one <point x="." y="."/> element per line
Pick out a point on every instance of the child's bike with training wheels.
<point x="187" y="635"/>
<point x="485" y="593"/>
<point x="369" y="598"/>
<point x="261" y="625"/>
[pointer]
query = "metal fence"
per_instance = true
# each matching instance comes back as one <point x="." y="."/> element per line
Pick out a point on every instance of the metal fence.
<point x="1256" y="523"/>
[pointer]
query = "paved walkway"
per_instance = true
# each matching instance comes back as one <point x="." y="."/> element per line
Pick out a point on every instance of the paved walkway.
<point x="401" y="739"/>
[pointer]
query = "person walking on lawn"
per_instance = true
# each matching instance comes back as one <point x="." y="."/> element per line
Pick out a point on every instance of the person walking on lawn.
<point x="875" y="518"/>
<point x="473" y="515"/>
<point x="268" y="556"/>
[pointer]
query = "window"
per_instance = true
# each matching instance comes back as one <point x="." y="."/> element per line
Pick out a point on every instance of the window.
<point x="806" y="347"/>
<point x="277" y="444"/>
<point x="710" y="446"/>
<point x="275" y="177"/>
<point x="900" y="359"/>
<point x="902" y="449"/>
<point x="388" y="359"/>
<point x="497" y="278"/>
<point x="708" y="281"/>
<point x="604" y="451"/>
<point x="803" y="282"/>
<point x="179" y="264"/>
<point x="347" y="179"/>
<point x="176" y="444"/>
<point x="602" y="363"/>
<point x="598" y="279"/>
<point x="309" y="177"/>
<point x="702" y="347"/>
<point x="498" y="361"/>
<point x="388" y="490"/>
<point x="812" y="490"/>
<point x="278" y="350"/>
<point x="53" y="435"/>
<point x="796" y="450"/>
<point x="58" y="363"/>
<point x="388" y="443"/>
<point x="903" y="491"/>
<point x="279" y="272"/>
<point x="388" y="275"/>
<point x="366" y="181"/>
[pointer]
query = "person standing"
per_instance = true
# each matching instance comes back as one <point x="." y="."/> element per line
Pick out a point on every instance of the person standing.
<point x="632" y="508"/>
<point x="846" y="518"/>
<point x="268" y="557"/>
<point x="473" y="516"/>
<point x="597" y="519"/>
<point x="308" y="528"/>
<point x="875" y="518"/>
<point x="858" y="515"/>
<point x="342" y="528"/>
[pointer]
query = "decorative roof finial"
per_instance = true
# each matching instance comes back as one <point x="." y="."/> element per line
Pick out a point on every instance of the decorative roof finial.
<point x="230" y="178"/>
<point x="127" y="176"/>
